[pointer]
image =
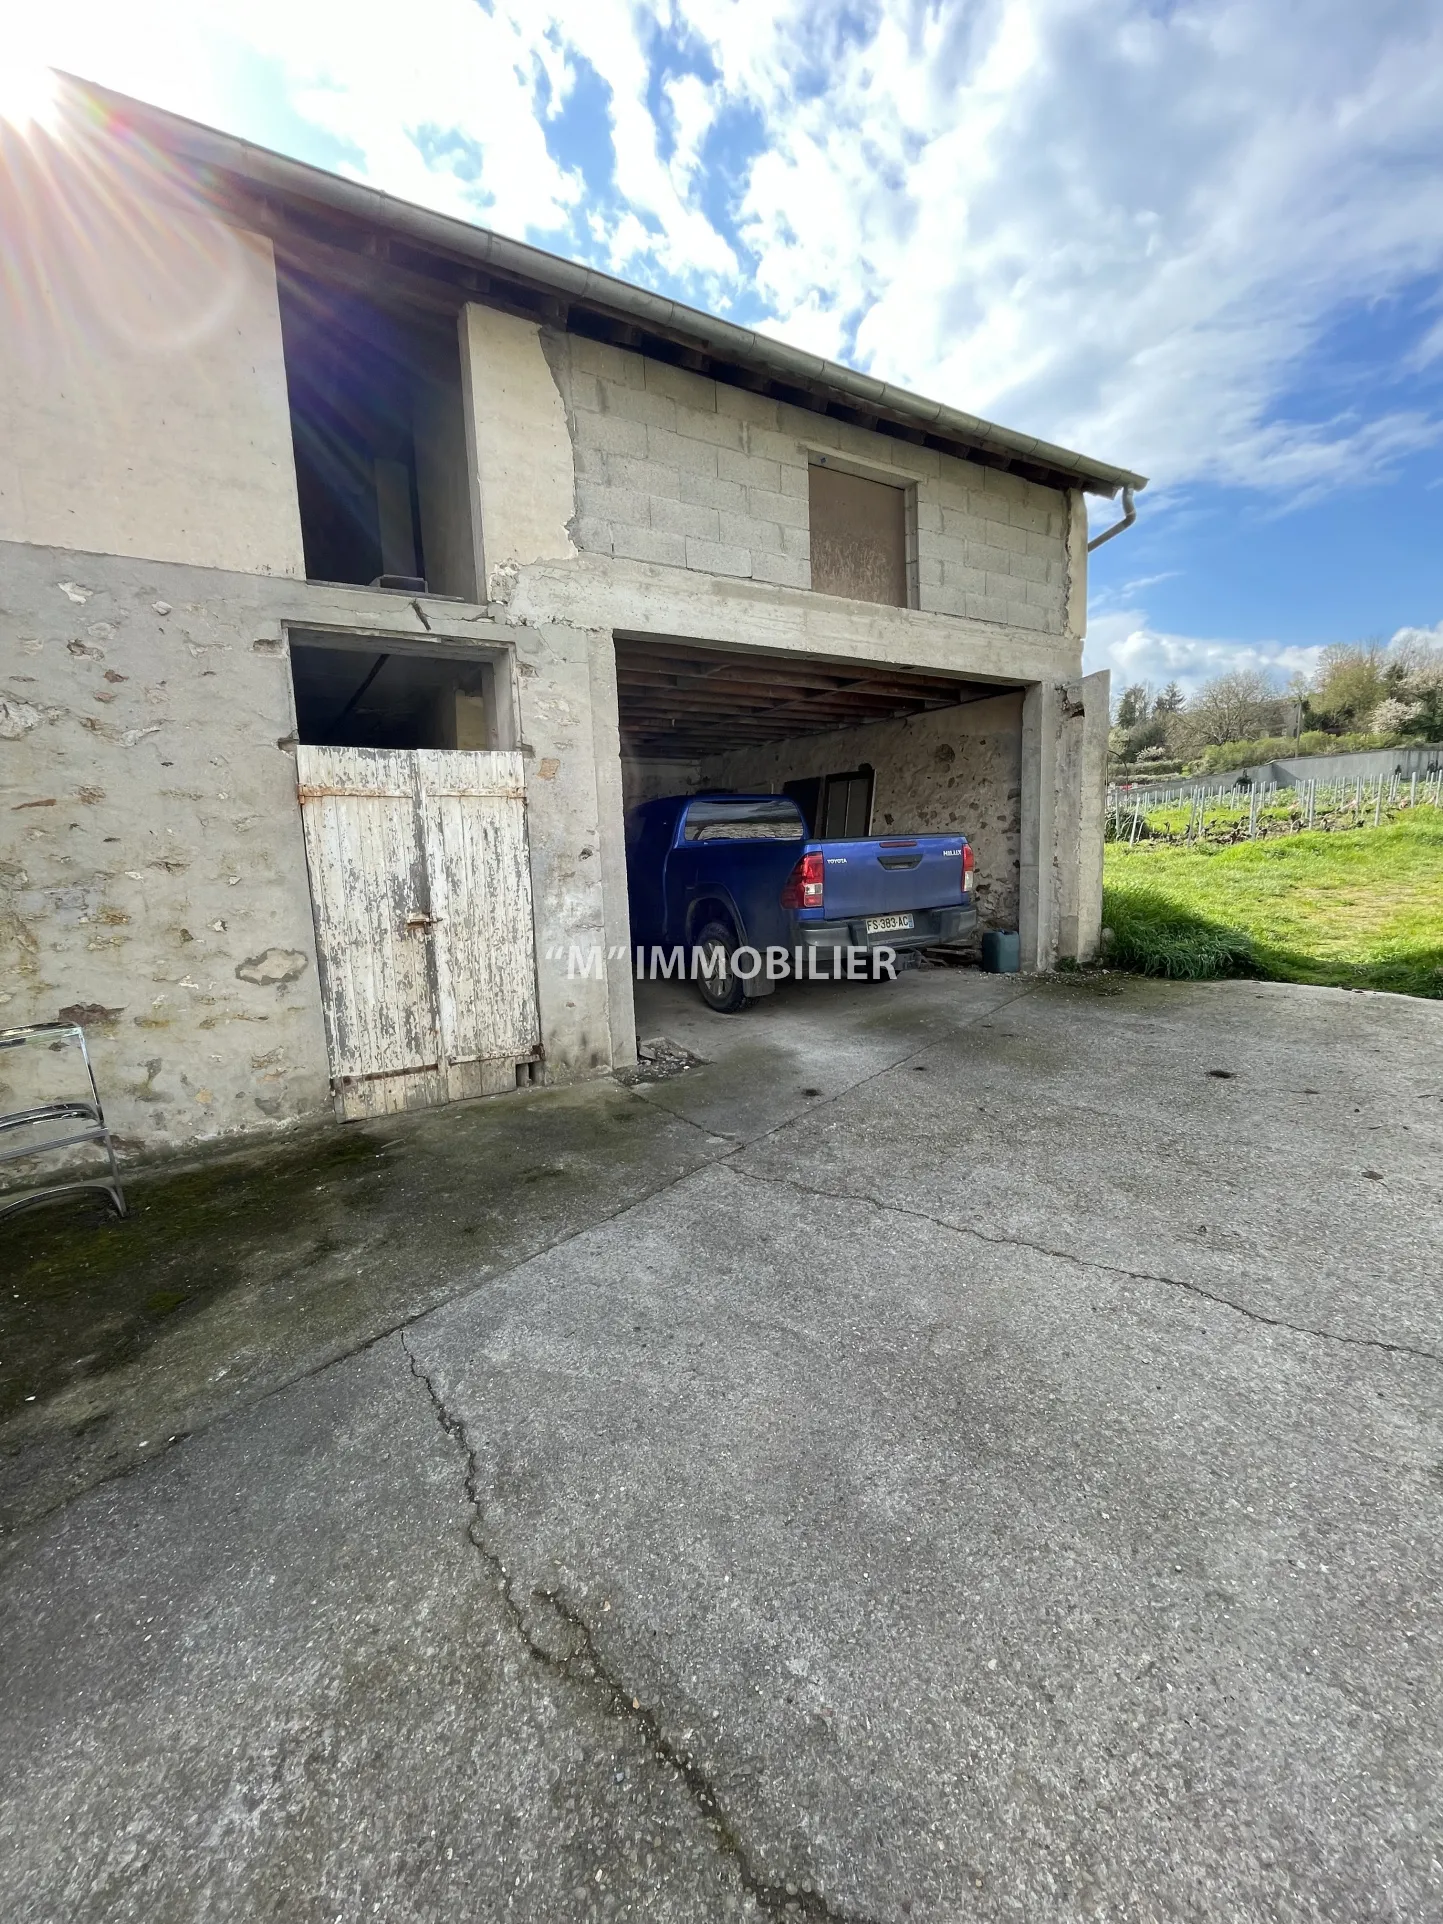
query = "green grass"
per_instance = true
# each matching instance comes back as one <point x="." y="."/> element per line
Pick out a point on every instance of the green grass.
<point x="1353" y="909"/>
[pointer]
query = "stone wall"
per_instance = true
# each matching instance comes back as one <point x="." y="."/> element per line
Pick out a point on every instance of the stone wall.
<point x="953" y="768"/>
<point x="152" y="864"/>
<point x="152" y="876"/>
<point x="647" y="780"/>
<point x="691" y="473"/>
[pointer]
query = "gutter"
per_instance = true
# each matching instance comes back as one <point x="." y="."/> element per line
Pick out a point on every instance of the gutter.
<point x="1129" y="515"/>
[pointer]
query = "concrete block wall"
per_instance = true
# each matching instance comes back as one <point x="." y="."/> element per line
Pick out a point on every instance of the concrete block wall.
<point x="952" y="768"/>
<point x="676" y="469"/>
<point x="143" y="404"/>
<point x="992" y="547"/>
<point x="518" y="447"/>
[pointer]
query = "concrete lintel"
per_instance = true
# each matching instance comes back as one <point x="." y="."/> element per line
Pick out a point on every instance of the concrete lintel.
<point x="637" y="598"/>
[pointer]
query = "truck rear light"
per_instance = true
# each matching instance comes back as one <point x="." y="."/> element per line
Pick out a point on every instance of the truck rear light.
<point x="804" y="885"/>
<point x="968" y="866"/>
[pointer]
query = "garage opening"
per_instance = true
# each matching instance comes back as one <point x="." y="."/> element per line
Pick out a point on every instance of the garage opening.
<point x="377" y="427"/>
<point x="863" y="748"/>
<point x="370" y="693"/>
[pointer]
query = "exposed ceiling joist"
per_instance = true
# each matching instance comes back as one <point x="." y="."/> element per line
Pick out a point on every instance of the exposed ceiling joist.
<point x="723" y="696"/>
<point x="678" y="700"/>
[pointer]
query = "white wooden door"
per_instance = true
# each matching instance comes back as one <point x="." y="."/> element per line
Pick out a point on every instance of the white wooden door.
<point x="421" y="886"/>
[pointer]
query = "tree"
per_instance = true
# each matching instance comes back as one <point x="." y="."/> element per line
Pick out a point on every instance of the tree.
<point x="1132" y="705"/>
<point x="1352" y="678"/>
<point x="1414" y="705"/>
<point x="1238" y="707"/>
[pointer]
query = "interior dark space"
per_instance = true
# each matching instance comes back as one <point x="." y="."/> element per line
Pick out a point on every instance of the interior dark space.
<point x="383" y="697"/>
<point x="353" y="369"/>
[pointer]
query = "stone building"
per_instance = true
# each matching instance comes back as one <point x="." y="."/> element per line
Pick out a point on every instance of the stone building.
<point x="291" y="472"/>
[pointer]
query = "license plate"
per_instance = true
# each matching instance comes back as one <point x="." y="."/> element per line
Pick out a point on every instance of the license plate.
<point x="887" y="924"/>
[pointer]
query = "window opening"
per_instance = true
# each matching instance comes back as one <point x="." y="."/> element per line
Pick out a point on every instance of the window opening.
<point x="859" y="536"/>
<point x="846" y="808"/>
<point x="759" y="821"/>
<point x="835" y="808"/>
<point x="379" y="438"/>
<point x="379" y="696"/>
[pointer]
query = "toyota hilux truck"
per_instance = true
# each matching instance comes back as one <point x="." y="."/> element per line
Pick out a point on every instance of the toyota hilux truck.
<point x="713" y="875"/>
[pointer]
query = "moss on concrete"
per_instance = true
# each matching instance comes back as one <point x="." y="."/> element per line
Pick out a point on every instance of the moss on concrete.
<point x="242" y="1271"/>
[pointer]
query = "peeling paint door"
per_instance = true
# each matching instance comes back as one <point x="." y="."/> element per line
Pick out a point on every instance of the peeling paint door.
<point x="421" y="889"/>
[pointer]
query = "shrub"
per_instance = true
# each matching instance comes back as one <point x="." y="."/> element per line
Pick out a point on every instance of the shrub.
<point x="1276" y="748"/>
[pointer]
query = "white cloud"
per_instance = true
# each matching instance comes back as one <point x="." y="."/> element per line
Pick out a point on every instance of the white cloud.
<point x="447" y="106"/>
<point x="1418" y="637"/>
<point x="1126" y="642"/>
<point x="352" y="69"/>
<point x="613" y="37"/>
<point x="1121" y="227"/>
<point x="1124" y="227"/>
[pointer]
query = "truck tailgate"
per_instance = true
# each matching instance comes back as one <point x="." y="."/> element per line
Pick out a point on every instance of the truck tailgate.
<point x="887" y="874"/>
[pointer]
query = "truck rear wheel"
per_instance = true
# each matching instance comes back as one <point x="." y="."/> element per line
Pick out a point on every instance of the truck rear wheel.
<point x="720" y="986"/>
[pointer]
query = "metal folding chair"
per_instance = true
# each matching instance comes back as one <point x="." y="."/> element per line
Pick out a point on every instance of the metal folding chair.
<point x="67" y="1109"/>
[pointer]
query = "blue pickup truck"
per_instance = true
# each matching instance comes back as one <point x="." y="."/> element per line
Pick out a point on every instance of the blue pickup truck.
<point x="711" y="875"/>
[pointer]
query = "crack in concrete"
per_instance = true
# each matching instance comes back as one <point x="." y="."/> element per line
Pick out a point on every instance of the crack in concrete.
<point x="11" y="1536"/>
<point x="1087" y="1262"/>
<point x="584" y="1664"/>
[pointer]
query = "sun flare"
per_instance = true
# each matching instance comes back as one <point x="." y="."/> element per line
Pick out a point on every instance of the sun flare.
<point x="27" y="94"/>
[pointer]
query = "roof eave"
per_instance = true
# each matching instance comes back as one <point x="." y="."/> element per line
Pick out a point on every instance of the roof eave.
<point x="688" y="328"/>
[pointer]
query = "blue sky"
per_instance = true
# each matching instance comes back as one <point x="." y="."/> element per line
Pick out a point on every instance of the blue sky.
<point x="1205" y="241"/>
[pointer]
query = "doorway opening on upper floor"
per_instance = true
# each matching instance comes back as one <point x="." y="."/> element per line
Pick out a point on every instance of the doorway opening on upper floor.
<point x="378" y="430"/>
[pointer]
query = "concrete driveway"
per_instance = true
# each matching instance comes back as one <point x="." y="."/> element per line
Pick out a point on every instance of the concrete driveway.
<point x="979" y="1458"/>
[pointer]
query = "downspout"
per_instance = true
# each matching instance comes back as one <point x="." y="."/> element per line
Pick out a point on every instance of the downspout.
<point x="1129" y="515"/>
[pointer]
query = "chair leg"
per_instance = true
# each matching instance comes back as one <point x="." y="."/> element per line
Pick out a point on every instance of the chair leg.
<point x="113" y="1189"/>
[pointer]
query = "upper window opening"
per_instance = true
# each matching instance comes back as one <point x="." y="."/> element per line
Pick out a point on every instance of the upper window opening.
<point x="859" y="537"/>
<point x="375" y="696"/>
<point x="379" y="439"/>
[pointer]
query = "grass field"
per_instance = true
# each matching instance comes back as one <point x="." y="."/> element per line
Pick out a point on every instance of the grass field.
<point x="1355" y="908"/>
